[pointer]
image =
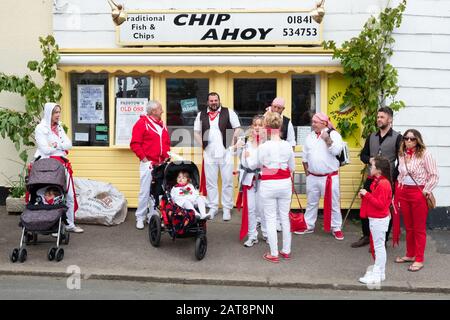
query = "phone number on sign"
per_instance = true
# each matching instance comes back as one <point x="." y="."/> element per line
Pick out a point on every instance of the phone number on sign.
<point x="292" y="32"/>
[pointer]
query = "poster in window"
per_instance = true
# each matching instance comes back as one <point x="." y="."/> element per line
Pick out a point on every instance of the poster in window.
<point x="302" y="133"/>
<point x="91" y="104"/>
<point x="128" y="111"/>
<point x="189" y="106"/>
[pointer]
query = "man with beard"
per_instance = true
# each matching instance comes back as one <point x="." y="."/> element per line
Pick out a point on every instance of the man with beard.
<point x="216" y="129"/>
<point x="385" y="142"/>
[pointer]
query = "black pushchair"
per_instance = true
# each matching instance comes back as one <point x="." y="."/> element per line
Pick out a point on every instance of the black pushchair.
<point x="170" y="218"/>
<point x="40" y="217"/>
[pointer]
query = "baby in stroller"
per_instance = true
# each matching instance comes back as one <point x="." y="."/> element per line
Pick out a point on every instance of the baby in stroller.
<point x="49" y="195"/>
<point x="186" y="196"/>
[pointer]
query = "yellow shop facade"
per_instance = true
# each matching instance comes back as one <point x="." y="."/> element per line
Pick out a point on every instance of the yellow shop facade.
<point x="104" y="90"/>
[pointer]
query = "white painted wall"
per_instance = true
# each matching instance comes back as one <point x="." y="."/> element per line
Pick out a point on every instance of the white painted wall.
<point x="422" y="52"/>
<point x="21" y="24"/>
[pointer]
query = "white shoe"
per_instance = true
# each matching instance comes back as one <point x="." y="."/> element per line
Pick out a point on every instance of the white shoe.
<point x="304" y="232"/>
<point x="140" y="224"/>
<point x="226" y="215"/>
<point x="212" y="213"/>
<point x="279" y="227"/>
<point x="250" y="242"/>
<point x="372" y="276"/>
<point x="370" y="270"/>
<point x="74" y="229"/>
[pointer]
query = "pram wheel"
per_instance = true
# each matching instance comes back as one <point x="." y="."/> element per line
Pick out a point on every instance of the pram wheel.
<point x="154" y="230"/>
<point x="201" y="244"/>
<point x="29" y="238"/>
<point x="23" y="255"/>
<point x="59" y="254"/>
<point x="51" y="254"/>
<point x="14" y="256"/>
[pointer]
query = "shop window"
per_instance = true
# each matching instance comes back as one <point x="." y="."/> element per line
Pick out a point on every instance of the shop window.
<point x="305" y="102"/>
<point x="132" y="94"/>
<point x="252" y="97"/>
<point x="90" y="109"/>
<point x="184" y="99"/>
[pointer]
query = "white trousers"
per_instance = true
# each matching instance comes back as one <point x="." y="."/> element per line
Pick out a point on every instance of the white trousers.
<point x="212" y="174"/>
<point x="145" y="174"/>
<point x="255" y="211"/>
<point x="378" y="229"/>
<point x="70" y="203"/>
<point x="276" y="199"/>
<point x="190" y="205"/>
<point x="315" y="188"/>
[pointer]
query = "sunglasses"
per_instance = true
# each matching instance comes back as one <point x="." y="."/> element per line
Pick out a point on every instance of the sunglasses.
<point x="410" y="139"/>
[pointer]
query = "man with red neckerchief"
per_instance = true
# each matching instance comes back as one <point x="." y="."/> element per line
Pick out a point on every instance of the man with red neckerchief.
<point x="216" y="129"/>
<point x="150" y="142"/>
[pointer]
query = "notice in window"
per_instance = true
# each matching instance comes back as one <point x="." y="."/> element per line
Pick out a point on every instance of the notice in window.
<point x="128" y="111"/>
<point x="91" y="104"/>
<point x="302" y="133"/>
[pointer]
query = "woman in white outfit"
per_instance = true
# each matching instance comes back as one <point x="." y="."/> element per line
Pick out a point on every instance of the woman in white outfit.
<point x="52" y="141"/>
<point x="249" y="182"/>
<point x="277" y="161"/>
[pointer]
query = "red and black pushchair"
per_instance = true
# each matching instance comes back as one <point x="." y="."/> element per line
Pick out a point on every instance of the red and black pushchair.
<point x="171" y="218"/>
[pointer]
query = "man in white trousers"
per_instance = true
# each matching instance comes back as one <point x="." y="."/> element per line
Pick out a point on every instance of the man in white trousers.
<point x="216" y="129"/>
<point x="150" y="142"/>
<point x="321" y="148"/>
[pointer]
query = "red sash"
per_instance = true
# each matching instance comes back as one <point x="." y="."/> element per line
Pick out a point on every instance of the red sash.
<point x="327" y="201"/>
<point x="68" y="167"/>
<point x="275" y="174"/>
<point x="203" y="180"/>
<point x="242" y="202"/>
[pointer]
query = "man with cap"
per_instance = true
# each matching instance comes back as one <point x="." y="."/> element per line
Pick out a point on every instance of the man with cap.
<point x="287" y="129"/>
<point x="216" y="129"/>
<point x="321" y="166"/>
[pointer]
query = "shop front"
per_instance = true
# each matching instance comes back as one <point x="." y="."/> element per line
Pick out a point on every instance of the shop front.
<point x="105" y="90"/>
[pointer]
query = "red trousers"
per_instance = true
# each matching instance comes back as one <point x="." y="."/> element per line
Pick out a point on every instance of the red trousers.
<point x="414" y="209"/>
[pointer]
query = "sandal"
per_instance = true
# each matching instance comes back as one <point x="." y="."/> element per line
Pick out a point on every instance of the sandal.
<point x="403" y="260"/>
<point x="415" y="268"/>
<point x="270" y="258"/>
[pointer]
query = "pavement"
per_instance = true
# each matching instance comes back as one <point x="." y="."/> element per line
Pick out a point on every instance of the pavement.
<point x="318" y="260"/>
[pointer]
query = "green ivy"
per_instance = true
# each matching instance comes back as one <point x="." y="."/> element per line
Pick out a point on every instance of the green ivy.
<point x="19" y="126"/>
<point x="373" y="81"/>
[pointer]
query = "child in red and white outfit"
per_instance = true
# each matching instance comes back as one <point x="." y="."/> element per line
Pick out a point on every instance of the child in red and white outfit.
<point x="375" y="206"/>
<point x="186" y="196"/>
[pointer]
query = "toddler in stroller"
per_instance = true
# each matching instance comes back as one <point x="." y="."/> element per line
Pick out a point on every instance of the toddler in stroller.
<point x="174" y="192"/>
<point x="186" y="196"/>
<point x="45" y="212"/>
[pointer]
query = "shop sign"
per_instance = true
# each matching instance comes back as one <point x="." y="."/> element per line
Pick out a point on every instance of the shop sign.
<point x="218" y="27"/>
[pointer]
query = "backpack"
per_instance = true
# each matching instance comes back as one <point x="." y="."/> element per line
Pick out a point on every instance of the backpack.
<point x="344" y="156"/>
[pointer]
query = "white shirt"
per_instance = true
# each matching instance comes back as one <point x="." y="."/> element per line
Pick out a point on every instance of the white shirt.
<point x="321" y="159"/>
<point x="276" y="155"/>
<point x="251" y="162"/>
<point x="291" y="135"/>
<point x="215" y="149"/>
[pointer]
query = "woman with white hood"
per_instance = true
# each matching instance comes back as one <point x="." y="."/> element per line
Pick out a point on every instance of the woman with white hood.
<point x="52" y="142"/>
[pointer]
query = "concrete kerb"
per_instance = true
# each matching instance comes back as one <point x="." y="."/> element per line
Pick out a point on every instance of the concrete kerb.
<point x="230" y="282"/>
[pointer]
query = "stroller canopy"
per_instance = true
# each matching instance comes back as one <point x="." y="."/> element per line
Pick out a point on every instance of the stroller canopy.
<point x="47" y="171"/>
<point x="173" y="168"/>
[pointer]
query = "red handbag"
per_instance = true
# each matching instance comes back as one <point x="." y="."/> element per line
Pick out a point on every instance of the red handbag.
<point x="297" y="219"/>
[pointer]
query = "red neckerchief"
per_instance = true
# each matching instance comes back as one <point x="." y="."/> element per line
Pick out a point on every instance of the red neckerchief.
<point x="257" y="138"/>
<point x="181" y="185"/>
<point x="158" y="122"/>
<point x="55" y="129"/>
<point x="410" y="152"/>
<point x="213" y="115"/>
<point x="318" y="134"/>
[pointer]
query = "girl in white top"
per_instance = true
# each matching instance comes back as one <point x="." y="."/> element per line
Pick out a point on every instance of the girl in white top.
<point x="186" y="196"/>
<point x="276" y="158"/>
<point x="52" y="141"/>
<point x="249" y="183"/>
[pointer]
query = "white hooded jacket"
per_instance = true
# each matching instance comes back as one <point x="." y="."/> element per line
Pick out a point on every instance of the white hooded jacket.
<point x="45" y="137"/>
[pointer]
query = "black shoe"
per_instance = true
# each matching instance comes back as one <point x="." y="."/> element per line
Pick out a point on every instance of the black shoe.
<point x="363" y="241"/>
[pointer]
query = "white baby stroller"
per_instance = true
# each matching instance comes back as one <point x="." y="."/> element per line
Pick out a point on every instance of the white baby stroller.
<point x="41" y="217"/>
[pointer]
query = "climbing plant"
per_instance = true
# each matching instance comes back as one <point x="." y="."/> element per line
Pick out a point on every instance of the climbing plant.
<point x="19" y="126"/>
<point x="365" y="60"/>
